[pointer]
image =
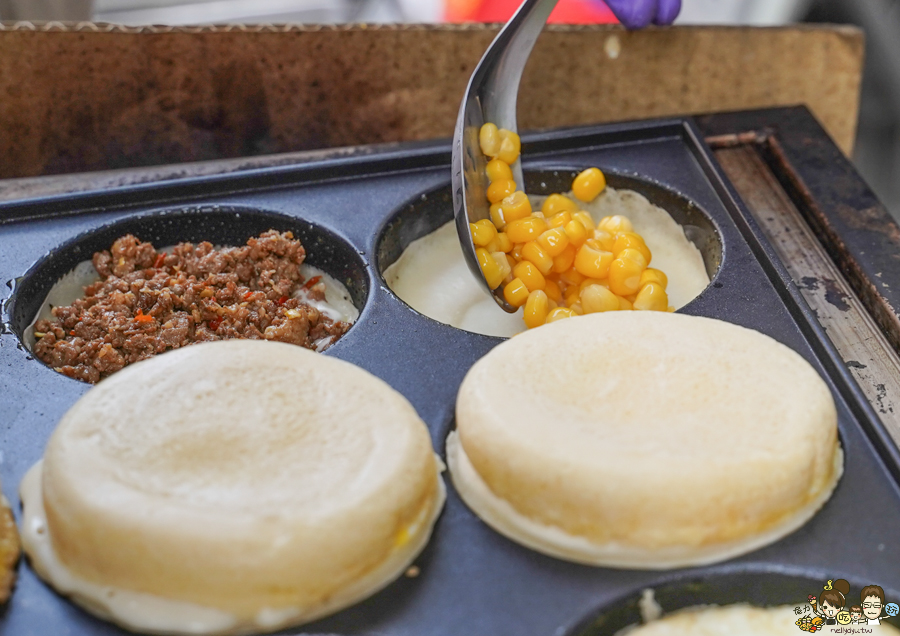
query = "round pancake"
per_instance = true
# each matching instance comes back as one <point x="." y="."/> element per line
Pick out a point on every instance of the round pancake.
<point x="734" y="620"/>
<point x="231" y="487"/>
<point x="644" y="440"/>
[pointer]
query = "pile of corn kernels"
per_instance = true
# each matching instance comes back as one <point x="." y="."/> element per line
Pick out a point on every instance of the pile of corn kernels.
<point x="558" y="263"/>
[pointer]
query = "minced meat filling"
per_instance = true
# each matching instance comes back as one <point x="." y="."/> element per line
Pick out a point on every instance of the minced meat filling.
<point x="147" y="302"/>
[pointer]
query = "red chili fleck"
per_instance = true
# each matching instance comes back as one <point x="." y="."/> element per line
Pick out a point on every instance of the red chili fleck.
<point x="247" y="295"/>
<point x="312" y="282"/>
<point x="159" y="260"/>
<point x="282" y="300"/>
<point x="141" y="317"/>
<point x="214" y="323"/>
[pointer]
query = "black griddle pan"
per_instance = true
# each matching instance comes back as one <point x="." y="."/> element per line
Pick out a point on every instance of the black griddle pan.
<point x="355" y="215"/>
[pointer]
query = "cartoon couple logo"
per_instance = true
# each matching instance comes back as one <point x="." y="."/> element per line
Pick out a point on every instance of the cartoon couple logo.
<point x="831" y="607"/>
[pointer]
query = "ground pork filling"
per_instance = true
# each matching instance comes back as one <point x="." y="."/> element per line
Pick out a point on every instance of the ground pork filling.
<point x="147" y="302"/>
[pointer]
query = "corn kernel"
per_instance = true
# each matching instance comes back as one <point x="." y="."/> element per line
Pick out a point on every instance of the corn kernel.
<point x="498" y="170"/>
<point x="552" y="290"/>
<point x="516" y="206"/>
<point x="624" y="276"/>
<point x="494" y="245"/>
<point x="593" y="263"/>
<point x="652" y="297"/>
<point x="571" y="296"/>
<point x="615" y="224"/>
<point x="516" y="252"/>
<point x="552" y="304"/>
<point x="671" y="309"/>
<point x="505" y="245"/>
<point x="559" y="219"/>
<point x="605" y="239"/>
<point x="497" y="216"/>
<point x="564" y="259"/>
<point x="634" y="255"/>
<point x="483" y="232"/>
<point x="554" y="242"/>
<point x="533" y="252"/>
<point x="510" y="146"/>
<point x="515" y="293"/>
<point x="576" y="232"/>
<point x="596" y="298"/>
<point x="530" y="276"/>
<point x="572" y="277"/>
<point x="489" y="140"/>
<point x="577" y="309"/>
<point x="536" y="309"/>
<point x="588" y="184"/>
<point x="585" y="219"/>
<point x="651" y="275"/>
<point x="499" y="190"/>
<point x="630" y="240"/>
<point x="559" y="314"/>
<point x="527" y="229"/>
<point x="489" y="267"/>
<point x="502" y="263"/>
<point x="556" y="203"/>
<point x="624" y="305"/>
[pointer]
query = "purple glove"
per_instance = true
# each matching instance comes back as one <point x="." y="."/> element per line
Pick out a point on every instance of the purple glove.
<point x="636" y="14"/>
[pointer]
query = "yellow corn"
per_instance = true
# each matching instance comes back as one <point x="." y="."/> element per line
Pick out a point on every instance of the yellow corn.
<point x="515" y="292"/>
<point x="624" y="305"/>
<point x="564" y="260"/>
<point x="556" y="203"/>
<point x="489" y="140"/>
<point x="502" y="264"/>
<point x="503" y="242"/>
<point x="536" y="309"/>
<point x="576" y="232"/>
<point x="585" y="219"/>
<point x="552" y="290"/>
<point x="559" y="314"/>
<point x="652" y="297"/>
<point x="588" y="184"/>
<point x="630" y="240"/>
<point x="572" y="277"/>
<point x="593" y="263"/>
<point x="571" y="296"/>
<point x="527" y="229"/>
<point x="605" y="239"/>
<point x="497" y="216"/>
<point x="530" y="276"/>
<point x="490" y="268"/>
<point x="533" y="252"/>
<point x="483" y="232"/>
<point x="554" y="241"/>
<point x="624" y="276"/>
<point x="498" y="170"/>
<point x="559" y="219"/>
<point x="516" y="206"/>
<point x="651" y="275"/>
<point x="596" y="298"/>
<point x="510" y="145"/>
<point x="615" y="224"/>
<point x="634" y="255"/>
<point x="516" y="252"/>
<point x="499" y="190"/>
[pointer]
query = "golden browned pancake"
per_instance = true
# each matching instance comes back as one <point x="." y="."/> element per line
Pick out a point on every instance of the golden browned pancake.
<point x="9" y="550"/>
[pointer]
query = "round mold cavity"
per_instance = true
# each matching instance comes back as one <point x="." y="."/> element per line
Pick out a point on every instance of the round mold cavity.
<point x="756" y="588"/>
<point x="431" y="210"/>
<point x="220" y="225"/>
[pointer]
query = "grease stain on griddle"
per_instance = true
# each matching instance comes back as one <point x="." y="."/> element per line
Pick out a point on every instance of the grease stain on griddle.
<point x="853" y="364"/>
<point x="835" y="295"/>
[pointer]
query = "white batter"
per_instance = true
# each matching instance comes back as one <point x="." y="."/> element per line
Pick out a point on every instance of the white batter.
<point x="432" y="277"/>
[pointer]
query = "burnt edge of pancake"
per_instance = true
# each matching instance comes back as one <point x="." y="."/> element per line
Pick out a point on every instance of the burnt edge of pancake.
<point x="147" y="302"/>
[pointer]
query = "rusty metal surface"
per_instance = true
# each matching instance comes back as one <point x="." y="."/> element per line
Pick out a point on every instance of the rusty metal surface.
<point x="855" y="229"/>
<point x="865" y="350"/>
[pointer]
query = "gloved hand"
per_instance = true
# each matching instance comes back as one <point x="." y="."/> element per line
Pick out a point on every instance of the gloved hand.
<point x="636" y="14"/>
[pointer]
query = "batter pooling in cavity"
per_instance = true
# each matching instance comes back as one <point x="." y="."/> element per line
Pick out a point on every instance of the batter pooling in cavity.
<point x="150" y="301"/>
<point x="558" y="263"/>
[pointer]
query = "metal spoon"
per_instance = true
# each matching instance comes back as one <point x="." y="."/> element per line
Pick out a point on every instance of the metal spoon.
<point x="491" y="97"/>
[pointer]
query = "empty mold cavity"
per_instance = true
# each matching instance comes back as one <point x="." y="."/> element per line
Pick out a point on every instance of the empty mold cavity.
<point x="431" y="211"/>
<point x="757" y="589"/>
<point x="222" y="226"/>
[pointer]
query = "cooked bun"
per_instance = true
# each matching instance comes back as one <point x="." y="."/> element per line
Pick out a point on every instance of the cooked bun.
<point x="734" y="620"/>
<point x="231" y="487"/>
<point x="644" y="440"/>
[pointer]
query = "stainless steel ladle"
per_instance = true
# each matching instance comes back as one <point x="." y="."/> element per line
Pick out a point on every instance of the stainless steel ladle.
<point x="491" y="97"/>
